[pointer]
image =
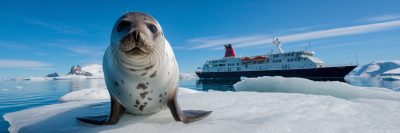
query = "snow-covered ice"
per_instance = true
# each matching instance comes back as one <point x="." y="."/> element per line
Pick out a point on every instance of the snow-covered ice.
<point x="236" y="112"/>
<point x="305" y="86"/>
<point x="95" y="69"/>
<point x="391" y="75"/>
<point x="393" y="71"/>
<point x="376" y="68"/>
<point x="69" y="77"/>
<point x="39" y="78"/>
<point x="86" y="94"/>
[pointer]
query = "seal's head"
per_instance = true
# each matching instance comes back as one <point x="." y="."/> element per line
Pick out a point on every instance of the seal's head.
<point x="136" y="34"/>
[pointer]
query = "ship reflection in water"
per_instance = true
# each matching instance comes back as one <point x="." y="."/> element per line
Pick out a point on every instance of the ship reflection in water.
<point x="227" y="85"/>
<point x="219" y="85"/>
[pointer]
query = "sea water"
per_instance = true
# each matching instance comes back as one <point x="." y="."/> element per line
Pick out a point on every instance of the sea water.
<point x="23" y="94"/>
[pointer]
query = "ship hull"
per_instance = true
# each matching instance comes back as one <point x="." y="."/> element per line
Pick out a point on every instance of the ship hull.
<point x="325" y="73"/>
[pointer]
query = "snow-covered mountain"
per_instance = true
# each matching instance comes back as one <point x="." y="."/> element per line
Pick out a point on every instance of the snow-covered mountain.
<point x="95" y="69"/>
<point x="375" y="69"/>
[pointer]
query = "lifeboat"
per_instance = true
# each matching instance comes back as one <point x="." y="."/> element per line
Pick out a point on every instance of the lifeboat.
<point x="260" y="58"/>
<point x="247" y="59"/>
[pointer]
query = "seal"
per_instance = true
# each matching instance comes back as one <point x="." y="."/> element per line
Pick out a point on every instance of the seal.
<point x="141" y="72"/>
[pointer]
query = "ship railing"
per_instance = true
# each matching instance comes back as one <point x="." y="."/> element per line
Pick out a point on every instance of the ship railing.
<point x="336" y="65"/>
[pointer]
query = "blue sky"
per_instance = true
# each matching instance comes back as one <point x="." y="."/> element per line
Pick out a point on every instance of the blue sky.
<point x="38" y="38"/>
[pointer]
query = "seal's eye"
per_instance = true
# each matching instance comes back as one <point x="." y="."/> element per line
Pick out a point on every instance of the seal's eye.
<point x="152" y="28"/>
<point x="122" y="25"/>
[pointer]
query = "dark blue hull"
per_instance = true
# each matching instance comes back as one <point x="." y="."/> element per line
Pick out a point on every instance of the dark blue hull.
<point x="327" y="73"/>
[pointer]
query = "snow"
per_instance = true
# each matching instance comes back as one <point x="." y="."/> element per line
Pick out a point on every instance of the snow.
<point x="375" y="68"/>
<point x="95" y="69"/>
<point x="305" y="86"/>
<point x="393" y="71"/>
<point x="69" y="77"/>
<point x="391" y="75"/>
<point x="306" y="106"/>
<point x="86" y="94"/>
<point x="39" y="78"/>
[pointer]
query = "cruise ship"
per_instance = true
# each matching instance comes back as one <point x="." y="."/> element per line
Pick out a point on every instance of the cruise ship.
<point x="303" y="64"/>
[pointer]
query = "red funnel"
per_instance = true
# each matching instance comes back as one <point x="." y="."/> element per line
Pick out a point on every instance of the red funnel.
<point x="230" y="52"/>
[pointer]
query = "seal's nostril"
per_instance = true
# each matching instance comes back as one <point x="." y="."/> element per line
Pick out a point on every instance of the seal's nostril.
<point x="135" y="35"/>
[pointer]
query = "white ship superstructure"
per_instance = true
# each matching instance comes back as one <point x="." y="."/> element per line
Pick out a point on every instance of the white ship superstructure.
<point x="291" y="64"/>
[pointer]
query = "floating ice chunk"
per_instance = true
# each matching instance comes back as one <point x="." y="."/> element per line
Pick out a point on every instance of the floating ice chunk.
<point x="69" y="77"/>
<point x="305" y="86"/>
<point x="86" y="94"/>
<point x="18" y="87"/>
<point x="183" y="91"/>
<point x="39" y="78"/>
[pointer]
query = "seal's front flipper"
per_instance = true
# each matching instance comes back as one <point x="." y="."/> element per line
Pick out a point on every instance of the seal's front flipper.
<point x="117" y="110"/>
<point x="186" y="116"/>
<point x="97" y="120"/>
<point x="194" y="115"/>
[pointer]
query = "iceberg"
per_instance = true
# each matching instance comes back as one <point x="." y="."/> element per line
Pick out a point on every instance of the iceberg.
<point x="375" y="69"/>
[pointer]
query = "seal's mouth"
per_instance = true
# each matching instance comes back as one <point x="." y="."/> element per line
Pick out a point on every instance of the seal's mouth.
<point x="135" y="43"/>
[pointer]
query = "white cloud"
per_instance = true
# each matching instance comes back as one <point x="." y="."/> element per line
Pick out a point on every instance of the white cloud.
<point x="248" y="41"/>
<point x="383" y="18"/>
<point x="211" y="42"/>
<point x="12" y="63"/>
<point x="13" y="45"/>
<point x="58" y="27"/>
<point x="83" y="50"/>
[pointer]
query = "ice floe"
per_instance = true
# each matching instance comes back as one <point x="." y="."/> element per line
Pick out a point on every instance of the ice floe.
<point x="305" y="86"/>
<point x="323" y="107"/>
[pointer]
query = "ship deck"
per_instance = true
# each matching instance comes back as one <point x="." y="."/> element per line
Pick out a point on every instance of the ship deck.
<point x="337" y="72"/>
